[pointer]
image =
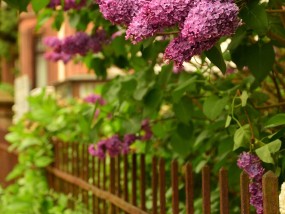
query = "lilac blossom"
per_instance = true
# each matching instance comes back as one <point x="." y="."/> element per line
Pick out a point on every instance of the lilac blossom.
<point x="210" y="19"/>
<point x="76" y="44"/>
<point x="251" y="164"/>
<point x="181" y="50"/>
<point x="55" y="56"/>
<point x="145" y="127"/>
<point x="120" y="11"/>
<point x="157" y="15"/>
<point x="79" y="43"/>
<point x="94" y="98"/>
<point x="113" y="146"/>
<point x="129" y="139"/>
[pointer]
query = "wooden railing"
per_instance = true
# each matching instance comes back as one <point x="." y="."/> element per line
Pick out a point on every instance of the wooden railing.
<point x="125" y="184"/>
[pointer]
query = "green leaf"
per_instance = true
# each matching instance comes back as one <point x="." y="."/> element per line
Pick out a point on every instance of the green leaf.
<point x="237" y="38"/>
<point x="213" y="106"/>
<point x="184" y="110"/>
<point x="244" y="97"/>
<point x="182" y="88"/>
<point x="228" y="121"/>
<point x="265" y="152"/>
<point x="276" y="120"/>
<point x="18" y="4"/>
<point x="16" y="172"/>
<point x="185" y="131"/>
<point x="27" y="142"/>
<point x="216" y="57"/>
<point x="255" y="16"/>
<point x="180" y="145"/>
<point x="43" y="161"/>
<point x="260" y="59"/>
<point x="39" y="4"/>
<point x="242" y="137"/>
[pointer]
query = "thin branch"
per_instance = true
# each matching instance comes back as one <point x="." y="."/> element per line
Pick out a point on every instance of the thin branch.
<point x="252" y="138"/>
<point x="281" y="80"/>
<point x="276" y="37"/>
<point x="277" y="105"/>
<point x="275" y="11"/>
<point x="273" y="77"/>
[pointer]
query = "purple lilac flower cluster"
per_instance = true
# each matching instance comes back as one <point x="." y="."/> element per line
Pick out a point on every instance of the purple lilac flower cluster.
<point x="67" y="4"/>
<point x="251" y="164"/>
<point x="115" y="145"/>
<point x="80" y="43"/>
<point x="94" y="98"/>
<point x="201" y="22"/>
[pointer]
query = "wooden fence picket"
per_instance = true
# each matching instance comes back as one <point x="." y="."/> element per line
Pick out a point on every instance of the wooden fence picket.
<point x="206" y="190"/>
<point x="189" y="189"/>
<point x="270" y="193"/>
<point x="224" y="191"/>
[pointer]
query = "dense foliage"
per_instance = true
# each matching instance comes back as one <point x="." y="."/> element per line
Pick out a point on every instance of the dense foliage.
<point x="229" y="100"/>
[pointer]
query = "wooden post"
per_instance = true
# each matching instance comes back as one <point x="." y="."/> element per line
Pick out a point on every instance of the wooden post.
<point x="206" y="190"/>
<point x="244" y="193"/>
<point x="270" y="193"/>
<point x="174" y="186"/>
<point x="189" y="189"/>
<point x="154" y="185"/>
<point x="224" y="189"/>
<point x="162" y="186"/>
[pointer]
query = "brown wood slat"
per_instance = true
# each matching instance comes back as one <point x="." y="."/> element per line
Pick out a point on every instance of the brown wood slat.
<point x="162" y="186"/>
<point x="98" y="184"/>
<point x="94" y="183"/>
<point x="270" y="193"/>
<point x="174" y="186"/>
<point x="57" y="162"/>
<point x="224" y="191"/>
<point x="104" y="184"/>
<point x="134" y="179"/>
<point x="244" y="193"/>
<point x="85" y="160"/>
<point x="125" y="181"/>
<point x="118" y="179"/>
<point x="104" y="195"/>
<point x="112" y="181"/>
<point x="189" y="189"/>
<point x="206" y="191"/>
<point x="142" y="182"/>
<point x="154" y="184"/>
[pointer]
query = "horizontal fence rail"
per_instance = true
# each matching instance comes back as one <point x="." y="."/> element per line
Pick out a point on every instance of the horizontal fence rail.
<point x="125" y="184"/>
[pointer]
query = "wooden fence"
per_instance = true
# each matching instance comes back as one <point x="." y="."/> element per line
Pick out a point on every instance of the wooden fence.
<point x="125" y="184"/>
<point x="7" y="160"/>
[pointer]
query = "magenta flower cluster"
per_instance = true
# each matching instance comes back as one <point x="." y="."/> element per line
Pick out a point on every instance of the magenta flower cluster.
<point x="80" y="43"/>
<point x="67" y="4"/>
<point x="251" y="164"/>
<point x="201" y="22"/>
<point x="94" y="98"/>
<point x="115" y="146"/>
